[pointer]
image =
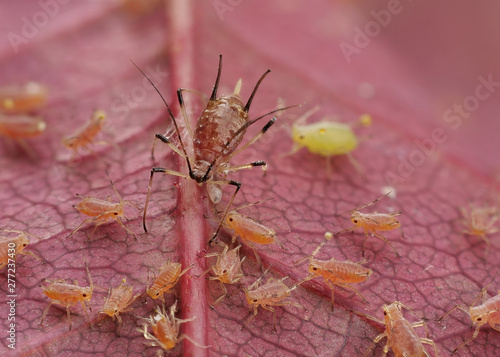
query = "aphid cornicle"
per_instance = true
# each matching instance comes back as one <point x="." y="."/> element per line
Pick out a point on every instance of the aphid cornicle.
<point x="227" y="269"/>
<point x="334" y="272"/>
<point x="400" y="333"/>
<point x="166" y="279"/>
<point x="65" y="294"/>
<point x="219" y="131"/>
<point x="11" y="247"/>
<point x="327" y="138"/>
<point x="166" y="329"/>
<point x="373" y="222"/>
<point x="486" y="313"/>
<point x="479" y="222"/>
<point x="101" y="210"/>
<point x="22" y="99"/>
<point x="85" y="136"/>
<point x="118" y="301"/>
<point x="267" y="295"/>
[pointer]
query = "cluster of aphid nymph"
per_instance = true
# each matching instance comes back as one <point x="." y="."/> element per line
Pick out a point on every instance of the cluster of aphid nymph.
<point x="216" y="139"/>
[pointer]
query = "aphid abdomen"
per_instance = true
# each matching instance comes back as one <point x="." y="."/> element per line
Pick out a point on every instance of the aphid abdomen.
<point x="251" y="230"/>
<point x="403" y="339"/>
<point x="21" y="126"/>
<point x="216" y="128"/>
<point x="379" y="222"/>
<point x="94" y="207"/>
<point x="346" y="272"/>
<point x="65" y="293"/>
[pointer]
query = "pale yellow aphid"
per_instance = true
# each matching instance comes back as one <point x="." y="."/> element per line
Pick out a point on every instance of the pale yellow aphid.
<point x="486" y="313"/>
<point x="85" y="136"/>
<point x="20" y="127"/>
<point x="118" y="300"/>
<point x="479" y="222"/>
<point x="168" y="276"/>
<point x="101" y="210"/>
<point x="68" y="295"/>
<point x="272" y="293"/>
<point x="227" y="269"/>
<point x="166" y="329"/>
<point x="11" y="247"/>
<point x="400" y="333"/>
<point x="334" y="272"/>
<point x="327" y="138"/>
<point x="373" y="222"/>
<point x="22" y="99"/>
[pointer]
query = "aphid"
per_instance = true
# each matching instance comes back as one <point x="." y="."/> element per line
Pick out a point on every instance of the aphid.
<point x="373" y="222"/>
<point x="250" y="231"/>
<point x="335" y="272"/>
<point x="84" y="136"/>
<point x="486" y="313"/>
<point x="219" y="130"/>
<point x="22" y="99"/>
<point x="227" y="269"/>
<point x="20" y="127"/>
<point x="11" y="247"/>
<point x="327" y="138"/>
<point x="400" y="333"/>
<point x="168" y="276"/>
<point x="118" y="300"/>
<point x="102" y="210"/>
<point x="68" y="295"/>
<point x="166" y="329"/>
<point x="267" y="295"/>
<point x="480" y="221"/>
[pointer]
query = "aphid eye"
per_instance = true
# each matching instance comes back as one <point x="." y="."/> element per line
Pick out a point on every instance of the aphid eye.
<point x="116" y="213"/>
<point x="385" y="313"/>
<point x="301" y="137"/>
<point x="479" y="319"/>
<point x="315" y="268"/>
<point x="224" y="271"/>
<point x="116" y="310"/>
<point x="25" y="245"/>
<point x="230" y="219"/>
<point x="157" y="293"/>
<point x="255" y="300"/>
<point x="84" y="295"/>
<point x="354" y="221"/>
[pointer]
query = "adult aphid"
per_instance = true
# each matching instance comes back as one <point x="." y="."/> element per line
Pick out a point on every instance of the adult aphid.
<point x="22" y="99"/>
<point x="373" y="222"/>
<point x="272" y="293"/>
<point x="85" y="136"/>
<point x="166" y="329"/>
<point x="227" y="269"/>
<point x="11" y="247"/>
<point x="20" y="127"/>
<point x="480" y="221"/>
<point x="118" y="301"/>
<point x="166" y="279"/>
<point x="327" y="138"/>
<point x="66" y="294"/>
<point x="400" y="333"/>
<point x="334" y="272"/>
<point x="249" y="230"/>
<point x="486" y="313"/>
<point x="219" y="130"/>
<point x="101" y="210"/>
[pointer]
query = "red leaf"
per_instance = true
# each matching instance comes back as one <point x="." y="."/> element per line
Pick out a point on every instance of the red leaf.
<point x="81" y="51"/>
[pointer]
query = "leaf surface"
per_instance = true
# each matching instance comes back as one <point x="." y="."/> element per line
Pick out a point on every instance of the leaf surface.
<point x="83" y="55"/>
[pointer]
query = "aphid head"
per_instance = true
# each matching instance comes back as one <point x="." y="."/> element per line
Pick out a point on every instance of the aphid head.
<point x="231" y="219"/>
<point x="154" y="293"/>
<point x="356" y="217"/>
<point x="71" y="142"/>
<point x="392" y="310"/>
<point x="314" y="267"/>
<point x="478" y="318"/>
<point x="202" y="171"/>
<point x="86" y="294"/>
<point x="299" y="134"/>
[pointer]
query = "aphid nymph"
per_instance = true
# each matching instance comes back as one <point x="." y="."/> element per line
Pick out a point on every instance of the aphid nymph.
<point x="373" y="222"/>
<point x="22" y="99"/>
<point x="101" y="211"/>
<point x="166" y="279"/>
<point x="11" y="247"/>
<point x="479" y="222"/>
<point x="118" y="301"/>
<point x="334" y="272"/>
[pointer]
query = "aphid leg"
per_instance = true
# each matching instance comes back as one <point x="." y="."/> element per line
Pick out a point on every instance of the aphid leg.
<point x="347" y="286"/>
<point x="45" y="313"/>
<point x="476" y="332"/>
<point x="69" y="317"/>
<point x="153" y="171"/>
<point x="223" y="287"/>
<point x="380" y="236"/>
<point x="463" y="308"/>
<point x="238" y="187"/>
<point x="332" y="288"/>
<point x="127" y="229"/>
<point x="356" y="164"/>
<point x="186" y="337"/>
<point x="256" y="255"/>
<point x="375" y="341"/>
<point x="428" y="341"/>
<point x="246" y="166"/>
<point x="93" y="219"/>
<point x="167" y="141"/>
<point x="376" y="200"/>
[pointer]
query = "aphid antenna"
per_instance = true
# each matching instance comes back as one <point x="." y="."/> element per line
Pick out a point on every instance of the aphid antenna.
<point x="252" y="204"/>
<point x="303" y="118"/>
<point x="259" y="279"/>
<point x="171" y="116"/>
<point x="316" y="251"/>
<point x="20" y="232"/>
<point x="372" y="203"/>
<point x="250" y="99"/>
<point x="122" y="201"/>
